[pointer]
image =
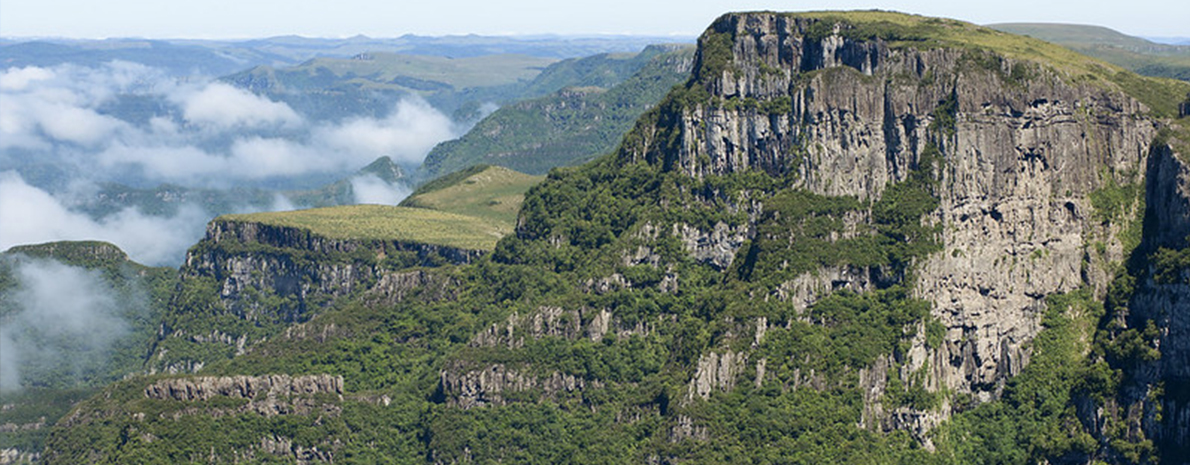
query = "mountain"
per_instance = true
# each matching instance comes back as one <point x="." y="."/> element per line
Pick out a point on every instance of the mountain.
<point x="848" y="237"/>
<point x="369" y="83"/>
<point x="177" y="59"/>
<point x="220" y="57"/>
<point x="593" y="101"/>
<point x="1135" y="53"/>
<point x="167" y="199"/>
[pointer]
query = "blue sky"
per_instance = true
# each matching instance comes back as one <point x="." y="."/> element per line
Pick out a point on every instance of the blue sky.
<point x="342" y="18"/>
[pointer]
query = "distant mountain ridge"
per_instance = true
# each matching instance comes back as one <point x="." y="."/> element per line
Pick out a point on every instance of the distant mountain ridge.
<point x="218" y="57"/>
<point x="1134" y="53"/>
<point x="575" y="119"/>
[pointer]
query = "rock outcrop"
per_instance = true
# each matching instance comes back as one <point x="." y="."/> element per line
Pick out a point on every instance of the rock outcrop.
<point x="466" y="388"/>
<point x="275" y="276"/>
<point x="245" y="257"/>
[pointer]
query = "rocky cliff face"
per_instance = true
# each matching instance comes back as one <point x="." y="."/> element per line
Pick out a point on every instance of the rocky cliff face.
<point x="273" y="276"/>
<point x="1024" y="148"/>
<point x="1154" y="399"/>
<point x="288" y="261"/>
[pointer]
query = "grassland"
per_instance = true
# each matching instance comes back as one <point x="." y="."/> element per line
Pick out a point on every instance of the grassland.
<point x="491" y="193"/>
<point x="383" y="222"/>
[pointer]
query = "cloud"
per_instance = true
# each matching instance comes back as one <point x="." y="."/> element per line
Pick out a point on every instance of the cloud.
<point x="406" y="135"/>
<point x="371" y="189"/>
<point x="29" y="215"/>
<point x="66" y="321"/>
<point x="20" y="78"/>
<point x="127" y="121"/>
<point x="226" y="107"/>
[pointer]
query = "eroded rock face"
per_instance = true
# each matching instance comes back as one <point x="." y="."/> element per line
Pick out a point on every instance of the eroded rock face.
<point x="245" y="387"/>
<point x="1157" y="398"/>
<point x="280" y="276"/>
<point x="290" y="262"/>
<point x="1021" y="158"/>
<point x="716" y="372"/>
<point x="268" y="395"/>
<point x="467" y="387"/>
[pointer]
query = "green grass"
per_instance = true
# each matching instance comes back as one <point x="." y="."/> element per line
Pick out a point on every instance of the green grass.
<point x="386" y="223"/>
<point x="492" y="193"/>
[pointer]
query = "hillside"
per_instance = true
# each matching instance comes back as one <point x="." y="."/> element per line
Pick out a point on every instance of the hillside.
<point x="858" y="237"/>
<point x="492" y="193"/>
<point x="593" y="103"/>
<point x="74" y="316"/>
<point x="1134" y="53"/>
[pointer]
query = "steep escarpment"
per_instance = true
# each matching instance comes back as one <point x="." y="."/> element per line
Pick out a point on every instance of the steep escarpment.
<point x="847" y="238"/>
<point x="248" y="280"/>
<point x="1144" y="336"/>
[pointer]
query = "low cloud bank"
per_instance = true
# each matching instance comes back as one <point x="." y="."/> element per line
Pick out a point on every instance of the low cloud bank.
<point x="65" y="323"/>
<point x="128" y="120"/>
<point x="29" y="215"/>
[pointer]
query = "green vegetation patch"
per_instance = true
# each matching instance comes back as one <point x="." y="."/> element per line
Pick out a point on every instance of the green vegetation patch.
<point x="492" y="193"/>
<point x="385" y="223"/>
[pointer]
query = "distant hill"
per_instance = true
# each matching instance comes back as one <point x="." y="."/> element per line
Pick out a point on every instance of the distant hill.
<point x="166" y="199"/>
<point x="573" y="124"/>
<point x="1134" y="53"/>
<point x="177" y="59"/>
<point x="493" y="193"/>
<point x="220" y="57"/>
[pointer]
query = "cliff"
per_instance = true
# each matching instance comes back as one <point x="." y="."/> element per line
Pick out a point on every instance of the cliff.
<point x="249" y="280"/>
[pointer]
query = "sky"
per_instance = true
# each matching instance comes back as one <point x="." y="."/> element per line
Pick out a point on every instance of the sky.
<point x="232" y="19"/>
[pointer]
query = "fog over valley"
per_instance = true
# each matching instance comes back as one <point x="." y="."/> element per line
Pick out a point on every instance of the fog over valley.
<point x="68" y="130"/>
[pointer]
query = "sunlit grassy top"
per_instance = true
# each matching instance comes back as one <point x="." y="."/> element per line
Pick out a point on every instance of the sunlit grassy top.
<point x="901" y="30"/>
<point x="494" y="193"/>
<point x="386" y="223"/>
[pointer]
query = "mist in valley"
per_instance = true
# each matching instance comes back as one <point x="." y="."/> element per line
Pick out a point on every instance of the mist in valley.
<point x="74" y="138"/>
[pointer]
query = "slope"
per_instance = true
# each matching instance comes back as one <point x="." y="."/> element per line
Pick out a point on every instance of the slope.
<point x="572" y="125"/>
<point x="74" y="316"/>
<point x="492" y="193"/>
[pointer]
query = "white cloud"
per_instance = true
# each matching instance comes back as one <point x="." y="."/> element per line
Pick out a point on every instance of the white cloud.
<point x="29" y="215"/>
<point x="261" y="157"/>
<point x="66" y="319"/>
<point x="81" y="126"/>
<point x="406" y="135"/>
<point x="371" y="189"/>
<point x="225" y="107"/>
<point x="20" y="78"/>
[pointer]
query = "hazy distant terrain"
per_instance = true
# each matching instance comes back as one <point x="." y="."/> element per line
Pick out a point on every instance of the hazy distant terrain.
<point x="1134" y="53"/>
<point x="127" y="137"/>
